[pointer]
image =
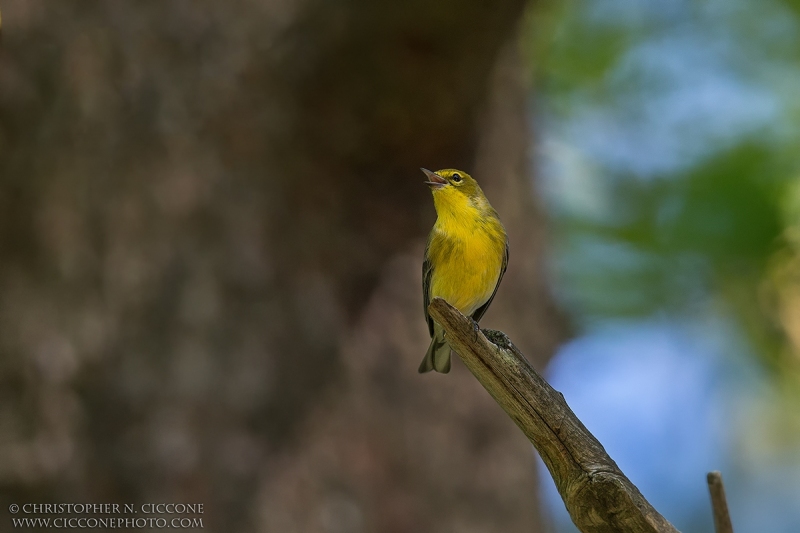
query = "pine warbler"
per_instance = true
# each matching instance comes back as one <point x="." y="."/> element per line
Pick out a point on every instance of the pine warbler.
<point x="465" y="258"/>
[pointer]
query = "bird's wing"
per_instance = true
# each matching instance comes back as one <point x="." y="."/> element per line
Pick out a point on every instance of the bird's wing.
<point x="482" y="309"/>
<point x="427" y="271"/>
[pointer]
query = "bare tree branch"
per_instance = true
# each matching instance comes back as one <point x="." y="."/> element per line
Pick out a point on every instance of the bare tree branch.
<point x="598" y="496"/>
<point x="722" y="519"/>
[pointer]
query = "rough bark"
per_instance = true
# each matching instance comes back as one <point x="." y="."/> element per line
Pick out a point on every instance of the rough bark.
<point x="198" y="202"/>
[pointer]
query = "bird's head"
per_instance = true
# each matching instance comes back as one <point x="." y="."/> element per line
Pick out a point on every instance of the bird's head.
<point x="452" y="183"/>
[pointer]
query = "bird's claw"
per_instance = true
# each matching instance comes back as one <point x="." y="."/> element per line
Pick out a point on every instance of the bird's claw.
<point x="476" y="328"/>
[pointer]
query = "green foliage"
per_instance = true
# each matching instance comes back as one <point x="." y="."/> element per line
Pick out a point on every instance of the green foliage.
<point x="707" y="230"/>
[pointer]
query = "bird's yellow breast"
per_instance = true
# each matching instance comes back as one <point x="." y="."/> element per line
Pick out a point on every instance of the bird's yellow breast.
<point x="466" y="251"/>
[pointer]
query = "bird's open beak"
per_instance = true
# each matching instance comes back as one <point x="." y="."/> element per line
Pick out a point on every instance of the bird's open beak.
<point x="435" y="181"/>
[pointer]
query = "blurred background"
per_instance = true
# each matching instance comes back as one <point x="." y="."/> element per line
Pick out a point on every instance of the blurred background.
<point x="211" y="230"/>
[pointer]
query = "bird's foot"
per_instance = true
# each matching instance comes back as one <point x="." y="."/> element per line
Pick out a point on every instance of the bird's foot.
<point x="476" y="328"/>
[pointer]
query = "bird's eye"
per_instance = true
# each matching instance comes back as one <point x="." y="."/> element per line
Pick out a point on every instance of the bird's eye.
<point x="456" y="177"/>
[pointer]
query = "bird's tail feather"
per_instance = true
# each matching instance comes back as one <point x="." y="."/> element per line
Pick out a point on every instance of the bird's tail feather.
<point x="438" y="356"/>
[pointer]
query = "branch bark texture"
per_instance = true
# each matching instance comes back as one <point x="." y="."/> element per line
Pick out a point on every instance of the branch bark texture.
<point x="598" y="496"/>
<point x="719" y="504"/>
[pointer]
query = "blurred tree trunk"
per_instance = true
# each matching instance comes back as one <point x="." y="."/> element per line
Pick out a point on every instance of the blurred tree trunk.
<point x="211" y="221"/>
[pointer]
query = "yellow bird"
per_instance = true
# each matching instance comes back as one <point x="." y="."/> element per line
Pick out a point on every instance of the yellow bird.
<point x="465" y="258"/>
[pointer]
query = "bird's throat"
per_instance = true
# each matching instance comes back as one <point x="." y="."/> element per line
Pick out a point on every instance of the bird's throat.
<point x="458" y="218"/>
<point x="453" y="207"/>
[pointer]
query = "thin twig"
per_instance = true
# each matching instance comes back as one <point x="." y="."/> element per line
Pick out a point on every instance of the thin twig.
<point x="598" y="496"/>
<point x="719" y="504"/>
